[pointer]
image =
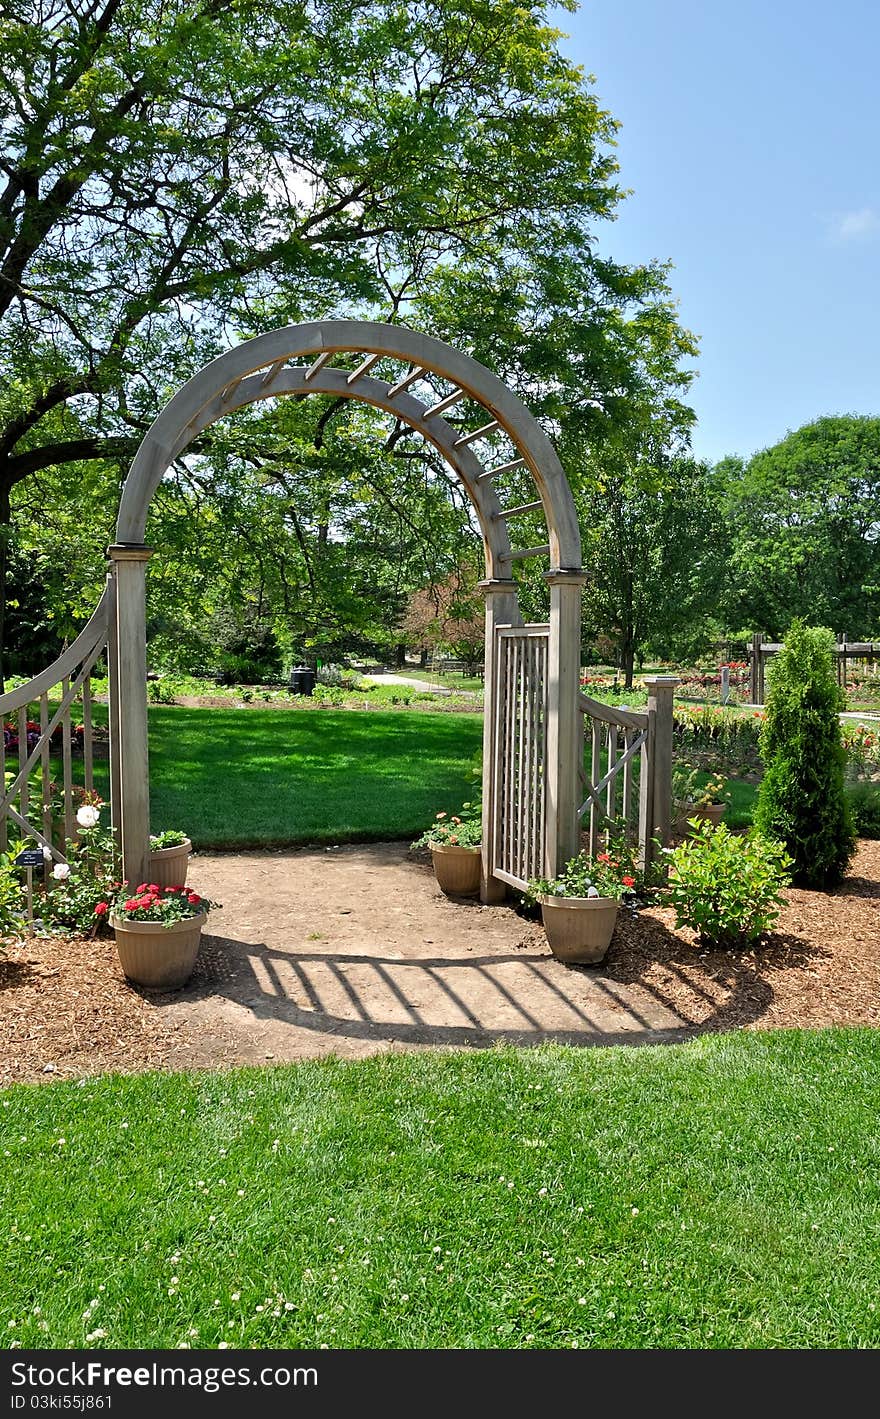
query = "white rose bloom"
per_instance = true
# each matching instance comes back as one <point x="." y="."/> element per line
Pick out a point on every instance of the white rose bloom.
<point x="61" y="871"/>
<point x="87" y="816"/>
<point x="47" y="853"/>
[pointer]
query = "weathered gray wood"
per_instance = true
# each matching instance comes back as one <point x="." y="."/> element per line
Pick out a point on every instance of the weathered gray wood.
<point x="363" y="368"/>
<point x="93" y="634"/>
<point x="22" y="779"/>
<point x="518" y="511"/>
<point x="501" y="610"/>
<point x="563" y="718"/>
<point x="45" y="774"/>
<point x="130" y="563"/>
<point x="481" y="433"/>
<point x="413" y="374"/>
<point x="88" y="770"/>
<point x="596" y="709"/>
<point x="67" y="763"/>
<point x="444" y="404"/>
<point x="504" y="468"/>
<point x="113" y="707"/>
<point x="322" y="360"/>
<point x="661" y="689"/>
<point x="525" y="553"/>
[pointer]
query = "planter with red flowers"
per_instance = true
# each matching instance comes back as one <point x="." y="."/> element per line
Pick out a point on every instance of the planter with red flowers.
<point x="158" y="931"/>
<point x="579" y="907"/>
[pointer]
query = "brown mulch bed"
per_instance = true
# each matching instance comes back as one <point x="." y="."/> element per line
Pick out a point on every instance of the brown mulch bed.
<point x="66" y="1009"/>
<point x="820" y="967"/>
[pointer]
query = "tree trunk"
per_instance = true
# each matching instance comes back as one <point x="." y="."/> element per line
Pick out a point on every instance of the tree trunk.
<point x="627" y="656"/>
<point x="400" y="656"/>
<point x="423" y="657"/>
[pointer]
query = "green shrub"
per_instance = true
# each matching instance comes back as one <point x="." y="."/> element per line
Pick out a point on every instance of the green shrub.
<point x="802" y="801"/>
<point x="727" y="887"/>
<point x="864" y="802"/>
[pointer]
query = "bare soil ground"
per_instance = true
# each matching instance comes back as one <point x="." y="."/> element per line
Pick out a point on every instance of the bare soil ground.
<point x="354" y="949"/>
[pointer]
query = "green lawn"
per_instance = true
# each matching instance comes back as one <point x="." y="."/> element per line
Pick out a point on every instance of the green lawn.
<point x="262" y="777"/>
<point x="719" y="1194"/>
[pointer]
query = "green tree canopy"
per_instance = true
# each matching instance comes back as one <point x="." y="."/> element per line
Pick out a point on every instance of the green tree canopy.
<point x="804" y="520"/>
<point x="177" y="175"/>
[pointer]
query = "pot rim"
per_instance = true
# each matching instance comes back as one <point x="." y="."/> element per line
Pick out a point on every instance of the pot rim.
<point x="577" y="902"/>
<point x="185" y="846"/>
<point x="456" y="847"/>
<point x="143" y="927"/>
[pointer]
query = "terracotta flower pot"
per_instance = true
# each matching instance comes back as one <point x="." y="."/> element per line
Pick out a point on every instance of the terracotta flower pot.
<point x="156" y="955"/>
<point x="168" y="865"/>
<point x="579" y="929"/>
<point x="457" y="869"/>
<point x="710" y="812"/>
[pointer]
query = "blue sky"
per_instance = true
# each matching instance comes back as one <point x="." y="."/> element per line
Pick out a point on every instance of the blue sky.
<point x="751" y="139"/>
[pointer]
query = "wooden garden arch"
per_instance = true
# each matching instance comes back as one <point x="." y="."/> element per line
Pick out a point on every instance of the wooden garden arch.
<point x="532" y="736"/>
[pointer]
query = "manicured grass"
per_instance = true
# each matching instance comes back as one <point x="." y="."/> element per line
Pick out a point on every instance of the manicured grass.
<point x="262" y="777"/>
<point x="723" y="1193"/>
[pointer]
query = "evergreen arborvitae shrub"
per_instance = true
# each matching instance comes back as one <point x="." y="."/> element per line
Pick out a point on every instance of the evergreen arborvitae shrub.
<point x="801" y="801"/>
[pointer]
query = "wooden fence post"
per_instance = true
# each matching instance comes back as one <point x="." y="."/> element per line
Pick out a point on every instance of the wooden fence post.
<point x="564" y="727"/>
<point x="128" y="713"/>
<point x="658" y="824"/>
<point x="756" y="669"/>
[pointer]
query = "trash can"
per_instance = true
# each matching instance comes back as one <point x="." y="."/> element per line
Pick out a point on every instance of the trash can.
<point x="302" y="680"/>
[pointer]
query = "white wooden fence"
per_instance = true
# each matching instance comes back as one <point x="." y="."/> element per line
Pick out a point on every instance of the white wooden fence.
<point x="51" y="695"/>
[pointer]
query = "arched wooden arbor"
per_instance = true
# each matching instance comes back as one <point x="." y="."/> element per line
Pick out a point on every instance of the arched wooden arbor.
<point x="534" y="775"/>
<point x="532" y="738"/>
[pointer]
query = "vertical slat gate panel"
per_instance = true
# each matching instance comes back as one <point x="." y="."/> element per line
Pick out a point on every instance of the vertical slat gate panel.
<point x="628" y="738"/>
<point x="531" y="764"/>
<point x="23" y="796"/>
<point x="67" y="768"/>
<point x="595" y="774"/>
<point x="46" y="777"/>
<point x="88" y="771"/>
<point x="611" y="790"/>
<point x="520" y="749"/>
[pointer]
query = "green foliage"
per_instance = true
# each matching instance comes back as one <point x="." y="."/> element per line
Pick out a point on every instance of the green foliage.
<point x="463" y="829"/>
<point x="727" y="887"/>
<point x="171" y="837"/>
<point x="82" y="887"/>
<point x="12" y="896"/>
<point x="802" y="801"/>
<point x="864" y="803"/>
<point x="614" y="872"/>
<point x="802" y="518"/>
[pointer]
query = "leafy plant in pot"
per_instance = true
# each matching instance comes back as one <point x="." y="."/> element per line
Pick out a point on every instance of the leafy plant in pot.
<point x="705" y="803"/>
<point x="169" y="857"/>
<point x="579" y="906"/>
<point x="456" y="853"/>
<point x="158" y="931"/>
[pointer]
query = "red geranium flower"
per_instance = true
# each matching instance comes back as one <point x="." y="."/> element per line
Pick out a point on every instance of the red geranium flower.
<point x="101" y="909"/>
<point x="628" y="881"/>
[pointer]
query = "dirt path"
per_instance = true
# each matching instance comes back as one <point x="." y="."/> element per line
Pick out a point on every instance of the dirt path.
<point x="354" y="950"/>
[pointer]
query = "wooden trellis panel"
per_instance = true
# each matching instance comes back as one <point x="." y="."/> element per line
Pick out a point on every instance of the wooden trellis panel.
<point x="614" y="739"/>
<point x="520" y="708"/>
<point x="29" y="705"/>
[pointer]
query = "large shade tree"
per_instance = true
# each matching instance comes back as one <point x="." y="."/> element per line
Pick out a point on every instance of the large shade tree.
<point x="804" y="526"/>
<point x="176" y="175"/>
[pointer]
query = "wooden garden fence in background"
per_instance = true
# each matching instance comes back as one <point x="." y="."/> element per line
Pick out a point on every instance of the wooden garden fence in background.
<point x="846" y="652"/>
